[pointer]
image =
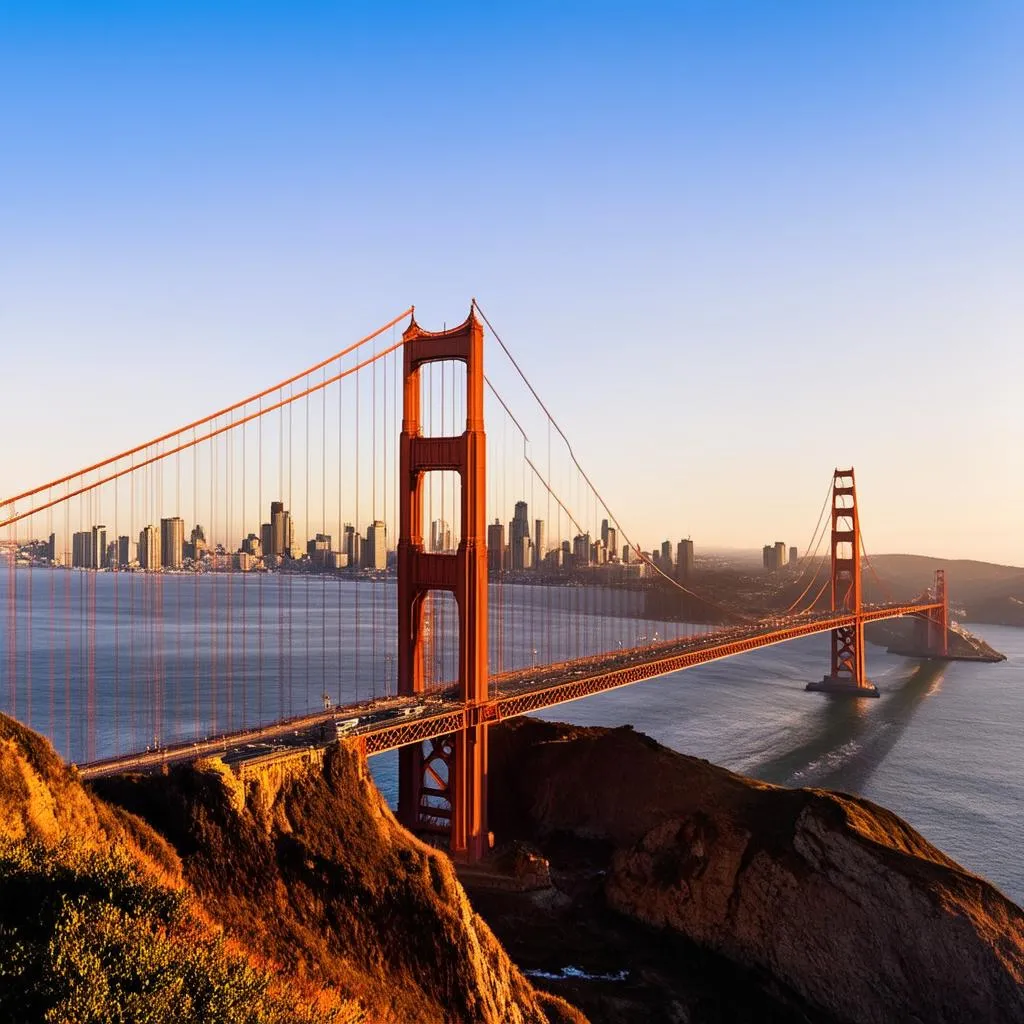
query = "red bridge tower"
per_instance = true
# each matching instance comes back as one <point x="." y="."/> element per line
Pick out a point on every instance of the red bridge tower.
<point x="442" y="785"/>
<point x="847" y="670"/>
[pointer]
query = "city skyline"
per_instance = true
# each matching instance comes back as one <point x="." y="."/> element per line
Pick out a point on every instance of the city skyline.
<point x="523" y="545"/>
<point x="719" y="313"/>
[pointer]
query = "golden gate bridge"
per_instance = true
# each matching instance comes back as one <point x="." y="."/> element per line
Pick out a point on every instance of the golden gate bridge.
<point x="201" y="647"/>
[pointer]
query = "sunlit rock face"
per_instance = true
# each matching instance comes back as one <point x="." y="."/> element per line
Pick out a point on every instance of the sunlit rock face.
<point x="836" y="898"/>
<point x="300" y="857"/>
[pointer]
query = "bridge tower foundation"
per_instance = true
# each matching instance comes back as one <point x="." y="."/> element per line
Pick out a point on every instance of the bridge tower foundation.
<point x="847" y="676"/>
<point x="442" y="785"/>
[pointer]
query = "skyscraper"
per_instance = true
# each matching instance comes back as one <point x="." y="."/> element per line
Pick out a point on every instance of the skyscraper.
<point x="539" y="544"/>
<point x="89" y="548"/>
<point x="375" y="554"/>
<point x="581" y="550"/>
<point x="319" y="549"/>
<point x="172" y="542"/>
<point x="124" y="552"/>
<point x="81" y="550"/>
<point x="519" y="537"/>
<point x="197" y="542"/>
<point x="780" y="554"/>
<point x="440" y="536"/>
<point x="665" y="562"/>
<point x="281" y="531"/>
<point x="794" y="555"/>
<point x="149" y="548"/>
<point x="684" y="559"/>
<point x="496" y="546"/>
<point x="352" y="547"/>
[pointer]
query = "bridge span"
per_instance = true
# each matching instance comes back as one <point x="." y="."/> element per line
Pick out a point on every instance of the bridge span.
<point x="396" y="722"/>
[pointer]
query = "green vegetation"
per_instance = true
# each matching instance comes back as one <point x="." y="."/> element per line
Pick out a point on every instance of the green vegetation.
<point x="86" y="937"/>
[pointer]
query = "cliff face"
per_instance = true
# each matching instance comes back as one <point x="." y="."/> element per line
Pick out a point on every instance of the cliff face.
<point x="285" y="893"/>
<point x="835" y="897"/>
<point x="300" y="858"/>
<point x="98" y="925"/>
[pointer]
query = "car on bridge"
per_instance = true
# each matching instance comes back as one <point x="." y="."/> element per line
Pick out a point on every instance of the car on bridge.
<point x="339" y="727"/>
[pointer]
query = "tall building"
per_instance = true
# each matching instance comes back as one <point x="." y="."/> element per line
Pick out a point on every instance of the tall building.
<point x="440" y="536"/>
<point x="612" y="543"/>
<point x="375" y="554"/>
<point x="684" y="559"/>
<point x="81" y="549"/>
<point x="319" y="549"/>
<point x="794" y="555"/>
<point x="99" y="547"/>
<point x="149" y="548"/>
<point x="197" y="543"/>
<point x="125" y="556"/>
<point x="172" y="542"/>
<point x="519" y="537"/>
<point x="581" y="550"/>
<point x="780" y="554"/>
<point x="774" y="555"/>
<point x="496" y="546"/>
<point x="282" y="531"/>
<point x="665" y="562"/>
<point x="253" y="545"/>
<point x="627" y="554"/>
<point x="606" y="534"/>
<point x="89" y="548"/>
<point x="352" y="547"/>
<point x="540" y="543"/>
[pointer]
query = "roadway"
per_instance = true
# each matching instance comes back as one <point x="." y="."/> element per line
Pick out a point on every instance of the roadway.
<point x="394" y="722"/>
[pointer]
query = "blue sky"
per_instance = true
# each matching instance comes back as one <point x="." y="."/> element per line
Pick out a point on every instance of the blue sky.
<point x="734" y="244"/>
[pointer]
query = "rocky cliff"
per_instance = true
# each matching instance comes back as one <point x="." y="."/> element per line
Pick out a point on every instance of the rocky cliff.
<point x="284" y="893"/>
<point x="98" y="925"/>
<point x="299" y="856"/>
<point x="836" y="899"/>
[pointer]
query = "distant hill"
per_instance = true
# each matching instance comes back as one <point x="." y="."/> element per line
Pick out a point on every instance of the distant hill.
<point x="987" y="592"/>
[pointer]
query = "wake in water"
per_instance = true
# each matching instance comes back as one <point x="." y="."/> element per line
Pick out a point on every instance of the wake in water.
<point x="851" y="738"/>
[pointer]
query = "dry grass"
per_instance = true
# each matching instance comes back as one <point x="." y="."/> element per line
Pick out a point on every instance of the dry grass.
<point x="98" y="924"/>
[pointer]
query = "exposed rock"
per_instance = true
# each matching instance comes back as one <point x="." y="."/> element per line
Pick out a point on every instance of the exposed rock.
<point x="97" y="922"/>
<point x="838" y="899"/>
<point x="301" y="858"/>
<point x="524" y="864"/>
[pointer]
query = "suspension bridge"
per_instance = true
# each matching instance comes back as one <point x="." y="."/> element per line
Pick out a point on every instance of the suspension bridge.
<point x="137" y="645"/>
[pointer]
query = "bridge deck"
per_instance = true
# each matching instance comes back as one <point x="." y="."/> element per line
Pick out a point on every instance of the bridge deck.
<point x="398" y="721"/>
